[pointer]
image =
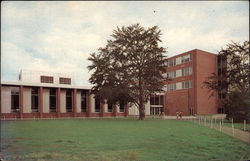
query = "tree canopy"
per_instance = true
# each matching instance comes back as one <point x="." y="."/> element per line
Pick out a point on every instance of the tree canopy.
<point x="129" y="68"/>
<point x="233" y="79"/>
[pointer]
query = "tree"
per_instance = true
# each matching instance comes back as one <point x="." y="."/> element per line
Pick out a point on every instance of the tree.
<point x="232" y="80"/>
<point x="129" y="68"/>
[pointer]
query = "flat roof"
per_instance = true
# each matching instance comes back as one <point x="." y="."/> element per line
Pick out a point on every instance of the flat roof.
<point x="20" y="83"/>
<point x="190" y="51"/>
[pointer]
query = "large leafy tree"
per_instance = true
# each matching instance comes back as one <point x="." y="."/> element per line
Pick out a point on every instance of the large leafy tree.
<point x="233" y="80"/>
<point x="129" y="68"/>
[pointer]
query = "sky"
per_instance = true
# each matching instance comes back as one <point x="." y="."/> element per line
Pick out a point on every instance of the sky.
<point x="59" y="36"/>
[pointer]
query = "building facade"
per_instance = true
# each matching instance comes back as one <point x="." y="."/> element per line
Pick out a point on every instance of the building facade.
<point x="185" y="91"/>
<point x="49" y="95"/>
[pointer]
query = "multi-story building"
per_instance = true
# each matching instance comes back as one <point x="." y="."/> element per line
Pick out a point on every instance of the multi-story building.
<point x="49" y="95"/>
<point x="185" y="91"/>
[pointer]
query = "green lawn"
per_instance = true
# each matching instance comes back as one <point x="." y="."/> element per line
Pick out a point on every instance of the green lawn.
<point x="117" y="139"/>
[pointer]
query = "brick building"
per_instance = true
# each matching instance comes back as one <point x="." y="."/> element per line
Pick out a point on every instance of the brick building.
<point x="185" y="92"/>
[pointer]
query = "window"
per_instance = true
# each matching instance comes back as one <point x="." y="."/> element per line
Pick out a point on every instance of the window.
<point x="186" y="71"/>
<point x="187" y="84"/>
<point x="84" y="101"/>
<point x="186" y="58"/>
<point x="46" y="79"/>
<point x="172" y="74"/>
<point x="171" y="62"/>
<point x="34" y="99"/>
<point x="156" y="100"/>
<point x="52" y="100"/>
<point x="171" y="87"/>
<point x="122" y="106"/>
<point x="97" y="105"/>
<point x="14" y="99"/>
<point x="68" y="101"/>
<point x="64" y="80"/>
<point x="110" y="106"/>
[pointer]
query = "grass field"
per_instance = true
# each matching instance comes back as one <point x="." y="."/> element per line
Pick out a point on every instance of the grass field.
<point x="117" y="139"/>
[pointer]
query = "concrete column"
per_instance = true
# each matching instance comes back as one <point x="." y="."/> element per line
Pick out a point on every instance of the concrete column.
<point x="41" y="101"/>
<point x="21" y="101"/>
<point x="58" y="102"/>
<point x="126" y="110"/>
<point x="89" y="104"/>
<point x="74" y="102"/>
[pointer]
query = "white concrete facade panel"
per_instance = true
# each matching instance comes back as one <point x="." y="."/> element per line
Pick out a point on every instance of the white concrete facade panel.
<point x="5" y="100"/>
<point x="27" y="100"/>
<point x="78" y="101"/>
<point x="46" y="100"/>
<point x="147" y="108"/>
<point x="178" y="85"/>
<point x="63" y="101"/>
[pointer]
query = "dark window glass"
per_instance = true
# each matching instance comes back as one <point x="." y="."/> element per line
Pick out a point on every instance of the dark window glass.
<point x="110" y="106"/>
<point x="69" y="101"/>
<point x="83" y="101"/>
<point x="152" y="100"/>
<point x="34" y="99"/>
<point x="122" y="106"/>
<point x="46" y="79"/>
<point x="64" y="80"/>
<point x="161" y="100"/>
<point x="97" y="105"/>
<point x="157" y="100"/>
<point x="15" y="99"/>
<point x="52" y="100"/>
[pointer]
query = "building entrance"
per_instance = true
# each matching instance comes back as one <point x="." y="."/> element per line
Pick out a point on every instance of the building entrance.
<point x="156" y="104"/>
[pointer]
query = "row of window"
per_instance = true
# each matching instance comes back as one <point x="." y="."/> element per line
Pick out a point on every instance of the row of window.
<point x="179" y="60"/>
<point x="52" y="100"/>
<point x="49" y="79"/>
<point x="179" y="73"/>
<point x="178" y="86"/>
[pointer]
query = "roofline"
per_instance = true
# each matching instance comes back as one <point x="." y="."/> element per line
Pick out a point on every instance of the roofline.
<point x="187" y="52"/>
<point x="19" y="83"/>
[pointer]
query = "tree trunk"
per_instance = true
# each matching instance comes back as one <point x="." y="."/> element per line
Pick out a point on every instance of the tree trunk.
<point x="141" y="112"/>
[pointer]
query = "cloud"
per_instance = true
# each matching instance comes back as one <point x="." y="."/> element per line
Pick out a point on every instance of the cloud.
<point x="59" y="36"/>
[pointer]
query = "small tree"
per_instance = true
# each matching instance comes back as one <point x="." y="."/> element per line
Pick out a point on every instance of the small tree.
<point x="233" y="80"/>
<point x="129" y="67"/>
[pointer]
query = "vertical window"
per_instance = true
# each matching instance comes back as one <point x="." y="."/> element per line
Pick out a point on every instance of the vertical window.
<point x="186" y="58"/>
<point x="161" y="99"/>
<point x="14" y="99"/>
<point x="34" y="99"/>
<point x="68" y="101"/>
<point x="186" y="71"/>
<point x="172" y="74"/>
<point x="52" y="100"/>
<point x="84" y="101"/>
<point x="171" y="87"/>
<point x="122" y="106"/>
<point x="187" y="84"/>
<point x="171" y="62"/>
<point x="157" y="100"/>
<point x="110" y="106"/>
<point x="97" y="105"/>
